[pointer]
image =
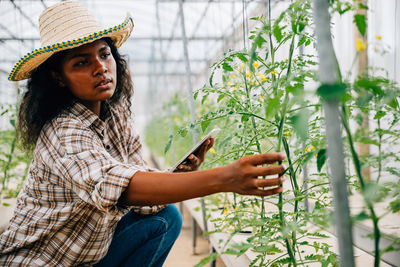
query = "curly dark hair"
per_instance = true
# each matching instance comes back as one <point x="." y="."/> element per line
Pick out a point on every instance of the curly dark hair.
<point x="45" y="99"/>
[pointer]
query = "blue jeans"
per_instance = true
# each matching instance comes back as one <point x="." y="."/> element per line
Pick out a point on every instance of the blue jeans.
<point x="143" y="240"/>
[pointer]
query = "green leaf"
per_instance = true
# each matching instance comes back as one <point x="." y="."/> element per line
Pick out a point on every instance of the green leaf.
<point x="6" y="204"/>
<point x="242" y="57"/>
<point x="204" y="98"/>
<point x="244" y="118"/>
<point x="395" y="205"/>
<point x="210" y="81"/>
<point x="371" y="84"/>
<point x="182" y="132"/>
<point x="331" y="91"/>
<point x="393" y="103"/>
<point x="361" y="24"/>
<point x="361" y="216"/>
<point x="379" y="114"/>
<point x="220" y="97"/>
<point x="195" y="95"/>
<point x="272" y="107"/>
<point x="321" y="158"/>
<point x="204" y="125"/>
<point x="302" y="40"/>
<point x="277" y="31"/>
<point x="300" y="123"/>
<point x="259" y="41"/>
<point x="168" y="145"/>
<point x="213" y="256"/>
<point x="227" y="67"/>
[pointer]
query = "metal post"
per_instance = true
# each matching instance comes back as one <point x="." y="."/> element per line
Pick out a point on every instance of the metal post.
<point x="191" y="102"/>
<point x="328" y="75"/>
<point x="165" y="85"/>
<point x="188" y="70"/>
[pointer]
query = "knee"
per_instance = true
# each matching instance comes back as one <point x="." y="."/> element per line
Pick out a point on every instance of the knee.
<point x="174" y="218"/>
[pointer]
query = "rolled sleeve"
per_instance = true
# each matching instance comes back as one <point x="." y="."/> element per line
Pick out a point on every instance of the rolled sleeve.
<point x="90" y="171"/>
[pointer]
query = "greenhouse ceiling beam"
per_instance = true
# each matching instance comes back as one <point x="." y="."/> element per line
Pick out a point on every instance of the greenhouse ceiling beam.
<point x="43" y="3"/>
<point x="201" y="17"/>
<point x="14" y="51"/>
<point x="10" y="33"/>
<point x="140" y="60"/>
<point x="23" y="14"/>
<point x="136" y="38"/>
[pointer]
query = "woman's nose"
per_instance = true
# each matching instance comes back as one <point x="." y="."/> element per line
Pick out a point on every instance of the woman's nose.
<point x="100" y="67"/>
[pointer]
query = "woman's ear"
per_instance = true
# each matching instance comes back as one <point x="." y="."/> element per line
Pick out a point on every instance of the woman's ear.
<point x="57" y="77"/>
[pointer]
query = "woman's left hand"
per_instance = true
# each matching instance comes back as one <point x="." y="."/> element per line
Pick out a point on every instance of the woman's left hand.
<point x="194" y="160"/>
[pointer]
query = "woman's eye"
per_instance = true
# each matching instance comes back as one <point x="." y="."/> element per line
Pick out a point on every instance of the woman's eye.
<point x="80" y="63"/>
<point x="106" y="55"/>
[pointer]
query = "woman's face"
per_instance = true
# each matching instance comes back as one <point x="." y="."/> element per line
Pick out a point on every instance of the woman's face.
<point x="90" y="72"/>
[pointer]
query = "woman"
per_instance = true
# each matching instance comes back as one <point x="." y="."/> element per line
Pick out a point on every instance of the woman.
<point x="89" y="197"/>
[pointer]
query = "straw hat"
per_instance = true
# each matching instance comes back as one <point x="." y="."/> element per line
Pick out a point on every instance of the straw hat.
<point x="66" y="25"/>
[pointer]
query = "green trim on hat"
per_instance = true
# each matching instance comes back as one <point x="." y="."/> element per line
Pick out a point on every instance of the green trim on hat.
<point x="63" y="45"/>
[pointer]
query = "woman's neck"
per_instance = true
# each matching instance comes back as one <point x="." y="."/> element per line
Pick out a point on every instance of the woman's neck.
<point x="94" y="106"/>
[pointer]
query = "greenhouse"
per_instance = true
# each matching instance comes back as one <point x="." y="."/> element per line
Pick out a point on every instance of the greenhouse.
<point x="200" y="133"/>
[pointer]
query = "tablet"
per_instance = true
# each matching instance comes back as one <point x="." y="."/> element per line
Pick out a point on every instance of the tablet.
<point x="183" y="160"/>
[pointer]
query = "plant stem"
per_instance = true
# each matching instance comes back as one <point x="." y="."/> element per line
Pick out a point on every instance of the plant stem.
<point x="379" y="151"/>
<point x="295" y="190"/>
<point x="280" y="132"/>
<point x="357" y="166"/>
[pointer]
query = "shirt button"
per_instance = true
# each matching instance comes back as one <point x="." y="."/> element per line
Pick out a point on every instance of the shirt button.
<point x="108" y="147"/>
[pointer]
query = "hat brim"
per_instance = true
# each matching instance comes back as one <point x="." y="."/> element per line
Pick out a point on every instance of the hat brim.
<point x="26" y="65"/>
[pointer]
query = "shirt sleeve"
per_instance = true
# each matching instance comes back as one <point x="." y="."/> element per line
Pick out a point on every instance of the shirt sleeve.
<point x="79" y="158"/>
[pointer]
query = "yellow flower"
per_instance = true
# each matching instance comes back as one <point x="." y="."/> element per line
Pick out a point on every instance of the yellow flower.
<point x="248" y="74"/>
<point x="233" y="76"/>
<point x="275" y="72"/>
<point x="261" y="98"/>
<point x="262" y="77"/>
<point x="234" y="88"/>
<point x="360" y="44"/>
<point x="212" y="150"/>
<point x="255" y="64"/>
<point x="229" y="84"/>
<point x="378" y="37"/>
<point x="285" y="59"/>
<point x="288" y="132"/>
<point x="241" y="66"/>
<point x="226" y="211"/>
<point x="312" y="148"/>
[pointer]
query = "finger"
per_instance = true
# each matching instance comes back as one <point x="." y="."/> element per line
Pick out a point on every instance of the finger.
<point x="266" y="158"/>
<point x="268" y="192"/>
<point x="194" y="161"/>
<point x="212" y="141"/>
<point x="269" y="182"/>
<point x="203" y="149"/>
<point x="268" y="170"/>
<point x="185" y="168"/>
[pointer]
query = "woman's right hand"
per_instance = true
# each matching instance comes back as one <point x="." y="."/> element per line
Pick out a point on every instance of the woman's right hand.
<point x="242" y="176"/>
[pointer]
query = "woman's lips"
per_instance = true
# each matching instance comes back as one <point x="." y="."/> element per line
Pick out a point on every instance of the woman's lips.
<point x="106" y="84"/>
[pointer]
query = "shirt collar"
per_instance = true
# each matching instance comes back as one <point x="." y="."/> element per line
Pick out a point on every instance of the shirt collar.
<point x="89" y="118"/>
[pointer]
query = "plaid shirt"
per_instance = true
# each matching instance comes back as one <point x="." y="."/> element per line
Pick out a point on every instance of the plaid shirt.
<point x="67" y="212"/>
